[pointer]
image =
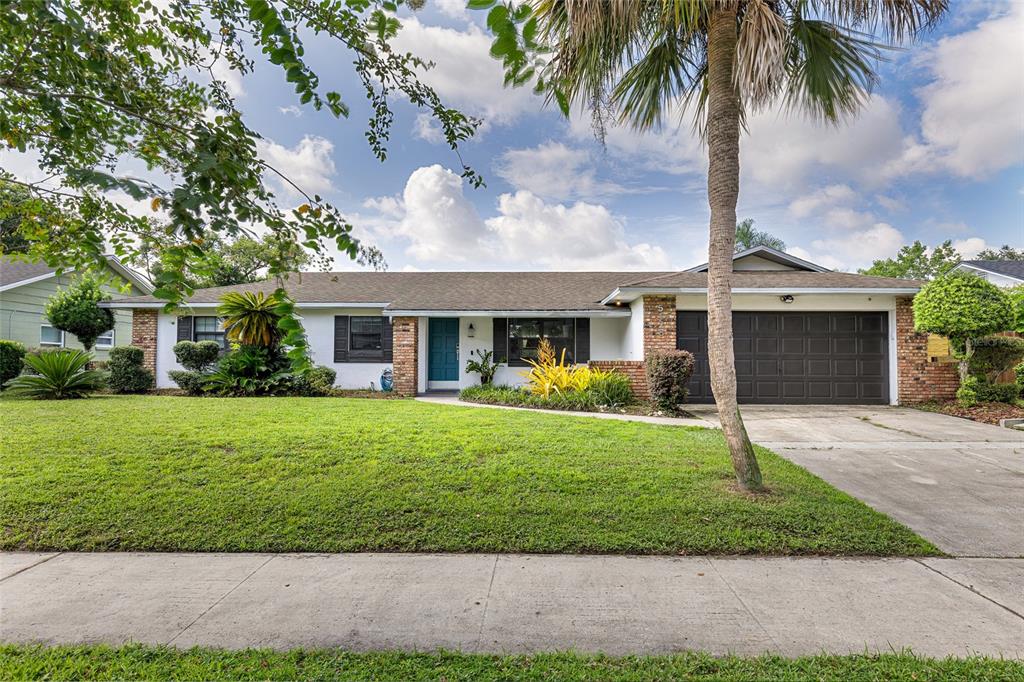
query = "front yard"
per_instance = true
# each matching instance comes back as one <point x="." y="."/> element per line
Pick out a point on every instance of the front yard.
<point x="305" y="474"/>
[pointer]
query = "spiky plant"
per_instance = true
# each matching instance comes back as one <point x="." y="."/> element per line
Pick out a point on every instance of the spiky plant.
<point x="250" y="318"/>
<point x="59" y="375"/>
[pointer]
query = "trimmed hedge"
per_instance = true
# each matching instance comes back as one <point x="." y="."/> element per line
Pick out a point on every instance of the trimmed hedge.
<point x="668" y="373"/>
<point x="197" y="356"/>
<point x="127" y="374"/>
<point x="12" y="358"/>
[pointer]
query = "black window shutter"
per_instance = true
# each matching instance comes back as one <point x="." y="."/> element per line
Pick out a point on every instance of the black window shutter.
<point x="500" y="344"/>
<point x="582" y="340"/>
<point x="341" y="338"/>
<point x="387" y="340"/>
<point x="185" y="328"/>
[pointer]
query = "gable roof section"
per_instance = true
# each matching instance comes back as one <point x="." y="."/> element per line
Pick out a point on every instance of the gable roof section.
<point x="527" y="292"/>
<point x="773" y="255"/>
<point x="16" y="272"/>
<point x="1006" y="268"/>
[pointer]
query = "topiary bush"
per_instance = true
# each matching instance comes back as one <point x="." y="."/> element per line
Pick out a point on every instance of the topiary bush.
<point x="197" y="356"/>
<point x="994" y="355"/>
<point x="668" y="373"/>
<point x="188" y="381"/>
<point x="967" y="394"/>
<point x="962" y="307"/>
<point x="127" y="373"/>
<point x="996" y="393"/>
<point x="12" y="357"/>
<point x="317" y="381"/>
<point x="76" y="310"/>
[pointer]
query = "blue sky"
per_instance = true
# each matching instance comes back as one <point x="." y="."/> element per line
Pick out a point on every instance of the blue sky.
<point x="938" y="153"/>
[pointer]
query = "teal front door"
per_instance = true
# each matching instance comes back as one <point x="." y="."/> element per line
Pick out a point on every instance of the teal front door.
<point x="443" y="349"/>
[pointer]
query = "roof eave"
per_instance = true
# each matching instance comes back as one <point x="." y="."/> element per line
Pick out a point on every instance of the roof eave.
<point x="630" y="294"/>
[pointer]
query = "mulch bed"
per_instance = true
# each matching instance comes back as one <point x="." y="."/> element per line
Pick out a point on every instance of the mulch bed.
<point x="988" y="413"/>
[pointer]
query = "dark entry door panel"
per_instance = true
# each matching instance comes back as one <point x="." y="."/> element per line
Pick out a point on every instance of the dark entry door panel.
<point x="788" y="357"/>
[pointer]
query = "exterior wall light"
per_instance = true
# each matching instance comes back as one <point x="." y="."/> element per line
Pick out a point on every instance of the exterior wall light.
<point x="786" y="299"/>
<point x="471" y="332"/>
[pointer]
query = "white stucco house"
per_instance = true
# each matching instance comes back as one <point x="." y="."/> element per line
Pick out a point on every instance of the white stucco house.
<point x="804" y="334"/>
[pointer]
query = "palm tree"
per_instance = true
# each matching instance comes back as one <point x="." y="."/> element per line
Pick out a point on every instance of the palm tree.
<point x="748" y="236"/>
<point x="639" y="60"/>
<point x="251" y="318"/>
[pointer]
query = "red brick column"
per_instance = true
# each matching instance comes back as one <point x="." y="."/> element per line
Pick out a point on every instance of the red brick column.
<point x="405" y="350"/>
<point x="636" y="370"/>
<point x="918" y="379"/>
<point x="659" y="323"/>
<point x="144" y="335"/>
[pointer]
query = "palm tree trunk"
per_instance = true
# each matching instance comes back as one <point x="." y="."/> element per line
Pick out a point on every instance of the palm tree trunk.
<point x="723" y="133"/>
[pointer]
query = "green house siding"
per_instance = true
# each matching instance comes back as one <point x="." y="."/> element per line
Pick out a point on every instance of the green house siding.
<point x="21" y="313"/>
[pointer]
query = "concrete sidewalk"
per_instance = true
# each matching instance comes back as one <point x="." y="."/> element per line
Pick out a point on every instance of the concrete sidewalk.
<point x="517" y="603"/>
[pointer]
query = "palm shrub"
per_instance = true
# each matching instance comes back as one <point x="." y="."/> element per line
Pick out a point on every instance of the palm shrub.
<point x="668" y="373"/>
<point x="12" y="356"/>
<point x="57" y="375"/>
<point x="76" y="310"/>
<point x="251" y="371"/>
<point x="127" y="373"/>
<point x="250" y="318"/>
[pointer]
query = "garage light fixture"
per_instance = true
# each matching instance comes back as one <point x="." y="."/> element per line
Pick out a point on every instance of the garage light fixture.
<point x="786" y="299"/>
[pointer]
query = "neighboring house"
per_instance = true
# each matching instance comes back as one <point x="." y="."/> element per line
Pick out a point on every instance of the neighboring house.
<point x="1003" y="273"/>
<point x="26" y="285"/>
<point x="803" y="334"/>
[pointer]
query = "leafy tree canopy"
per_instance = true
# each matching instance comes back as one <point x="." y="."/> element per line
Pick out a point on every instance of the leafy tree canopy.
<point x="917" y="261"/>
<point x="89" y="84"/>
<point x="962" y="306"/>
<point x="1005" y="252"/>
<point x="747" y="237"/>
<point x="76" y="310"/>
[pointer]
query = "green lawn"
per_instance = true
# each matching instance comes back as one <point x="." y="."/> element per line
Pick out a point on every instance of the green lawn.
<point x="161" y="663"/>
<point x="305" y="474"/>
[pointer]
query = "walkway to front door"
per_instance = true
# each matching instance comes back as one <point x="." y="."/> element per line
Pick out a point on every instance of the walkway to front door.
<point x="443" y="351"/>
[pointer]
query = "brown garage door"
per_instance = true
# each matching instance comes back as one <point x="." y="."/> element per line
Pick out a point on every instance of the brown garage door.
<point x="833" y="357"/>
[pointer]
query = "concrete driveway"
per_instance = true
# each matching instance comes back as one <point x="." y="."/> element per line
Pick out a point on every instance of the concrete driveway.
<point x="958" y="483"/>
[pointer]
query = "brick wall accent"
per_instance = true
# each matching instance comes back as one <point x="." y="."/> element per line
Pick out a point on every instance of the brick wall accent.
<point x="919" y="380"/>
<point x="659" y="323"/>
<point x="406" y="355"/>
<point x="144" y="335"/>
<point x="636" y="370"/>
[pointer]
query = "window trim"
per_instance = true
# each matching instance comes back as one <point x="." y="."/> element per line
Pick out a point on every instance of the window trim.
<point x="106" y="346"/>
<point x="222" y="333"/>
<point x="512" y="321"/>
<point x="373" y="354"/>
<point x="63" y="336"/>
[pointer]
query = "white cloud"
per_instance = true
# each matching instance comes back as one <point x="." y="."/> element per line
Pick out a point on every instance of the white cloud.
<point x="456" y="9"/>
<point x="465" y="75"/>
<point x="426" y="128"/>
<point x="853" y="249"/>
<point x="555" y="171"/>
<point x="309" y="164"/>
<point x="803" y="206"/>
<point x="439" y="225"/>
<point x="971" y="123"/>
<point x="290" y="110"/>
<point x="970" y="247"/>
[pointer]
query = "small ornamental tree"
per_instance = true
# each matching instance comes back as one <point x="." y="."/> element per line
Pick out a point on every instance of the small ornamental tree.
<point x="76" y="310"/>
<point x="962" y="307"/>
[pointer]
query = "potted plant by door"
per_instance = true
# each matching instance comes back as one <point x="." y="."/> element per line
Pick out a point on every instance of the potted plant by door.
<point x="483" y="365"/>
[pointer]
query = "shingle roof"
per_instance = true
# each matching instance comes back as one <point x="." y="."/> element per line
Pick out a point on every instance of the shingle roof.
<point x="1010" y="268"/>
<point x="13" y="269"/>
<point x="460" y="291"/>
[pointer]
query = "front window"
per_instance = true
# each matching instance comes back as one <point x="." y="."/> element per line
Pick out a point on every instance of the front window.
<point x="105" y="340"/>
<point x="207" y="328"/>
<point x="366" y="335"/>
<point x="50" y="336"/>
<point x="525" y="335"/>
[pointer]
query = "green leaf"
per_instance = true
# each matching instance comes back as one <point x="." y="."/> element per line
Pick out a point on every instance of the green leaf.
<point x="480" y="4"/>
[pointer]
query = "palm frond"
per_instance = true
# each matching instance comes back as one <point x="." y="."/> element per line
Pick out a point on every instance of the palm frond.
<point x="250" y="318"/>
<point x="897" y="20"/>
<point x="761" y="51"/>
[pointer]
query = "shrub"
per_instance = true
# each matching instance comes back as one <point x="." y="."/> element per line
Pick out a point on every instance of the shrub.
<point x="76" y="310"/>
<point x="197" y="357"/>
<point x="12" y="356"/>
<point x="996" y="393"/>
<point x="549" y="375"/>
<point x="668" y="373"/>
<point x="1016" y="295"/>
<point x="1019" y="372"/>
<point x="483" y="366"/>
<point x="967" y="394"/>
<point x="250" y="318"/>
<point x="251" y="371"/>
<point x="188" y="381"/>
<point x="610" y="389"/>
<point x="491" y="394"/>
<point x="317" y="381"/>
<point x="57" y="375"/>
<point x="127" y="374"/>
<point x="993" y="355"/>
